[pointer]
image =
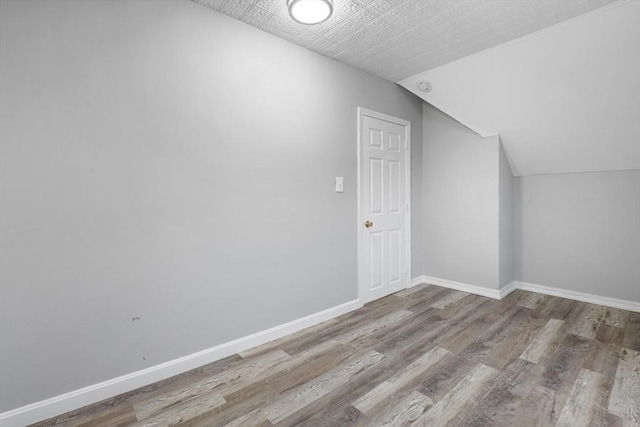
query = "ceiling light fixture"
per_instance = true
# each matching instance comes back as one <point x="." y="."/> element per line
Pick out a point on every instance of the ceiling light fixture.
<point x="310" y="12"/>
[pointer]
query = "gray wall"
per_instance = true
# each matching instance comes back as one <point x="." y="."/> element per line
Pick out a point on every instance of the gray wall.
<point x="580" y="232"/>
<point x="165" y="162"/>
<point x="460" y="202"/>
<point x="506" y="225"/>
<point x="417" y="248"/>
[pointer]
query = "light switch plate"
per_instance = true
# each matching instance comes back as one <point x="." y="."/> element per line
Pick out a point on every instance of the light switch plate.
<point x="339" y="184"/>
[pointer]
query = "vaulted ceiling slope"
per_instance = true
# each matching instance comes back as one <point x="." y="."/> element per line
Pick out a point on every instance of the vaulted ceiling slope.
<point x="564" y="100"/>
<point x="556" y="79"/>
<point x="395" y="39"/>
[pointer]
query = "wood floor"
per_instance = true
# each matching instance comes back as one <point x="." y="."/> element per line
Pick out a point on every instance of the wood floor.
<point x="426" y="356"/>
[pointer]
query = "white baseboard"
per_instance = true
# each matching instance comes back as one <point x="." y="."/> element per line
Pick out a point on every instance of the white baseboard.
<point x="506" y="290"/>
<point x="465" y="287"/>
<point x="546" y="290"/>
<point x="416" y="281"/>
<point x="580" y="296"/>
<point x="85" y="396"/>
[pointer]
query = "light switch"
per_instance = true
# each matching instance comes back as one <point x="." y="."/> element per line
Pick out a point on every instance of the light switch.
<point x="339" y="184"/>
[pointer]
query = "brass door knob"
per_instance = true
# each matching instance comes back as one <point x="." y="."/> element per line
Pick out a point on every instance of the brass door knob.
<point x="368" y="224"/>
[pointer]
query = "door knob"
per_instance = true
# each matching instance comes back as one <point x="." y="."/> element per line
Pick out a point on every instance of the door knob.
<point x="368" y="224"/>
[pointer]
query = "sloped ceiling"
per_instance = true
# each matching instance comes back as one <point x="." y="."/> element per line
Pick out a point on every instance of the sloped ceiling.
<point x="563" y="100"/>
<point x="556" y="79"/>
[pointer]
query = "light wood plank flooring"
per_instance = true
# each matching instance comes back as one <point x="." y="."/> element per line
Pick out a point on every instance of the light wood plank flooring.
<point x="426" y="356"/>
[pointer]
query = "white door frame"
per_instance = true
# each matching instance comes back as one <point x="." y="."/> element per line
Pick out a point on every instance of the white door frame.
<point x="362" y="295"/>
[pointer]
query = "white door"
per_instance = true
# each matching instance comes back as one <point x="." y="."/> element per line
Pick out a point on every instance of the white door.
<point x="384" y="237"/>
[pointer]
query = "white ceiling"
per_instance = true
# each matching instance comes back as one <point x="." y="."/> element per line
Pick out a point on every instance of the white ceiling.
<point x="557" y="79"/>
<point x="395" y="39"/>
<point x="563" y="100"/>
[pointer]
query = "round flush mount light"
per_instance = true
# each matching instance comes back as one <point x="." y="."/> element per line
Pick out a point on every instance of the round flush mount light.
<point x="424" y="86"/>
<point x="310" y="12"/>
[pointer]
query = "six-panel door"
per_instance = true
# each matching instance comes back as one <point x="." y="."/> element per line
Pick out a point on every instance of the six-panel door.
<point x="384" y="203"/>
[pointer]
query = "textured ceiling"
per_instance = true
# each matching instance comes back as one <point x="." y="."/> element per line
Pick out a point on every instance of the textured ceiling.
<point x="395" y="39"/>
